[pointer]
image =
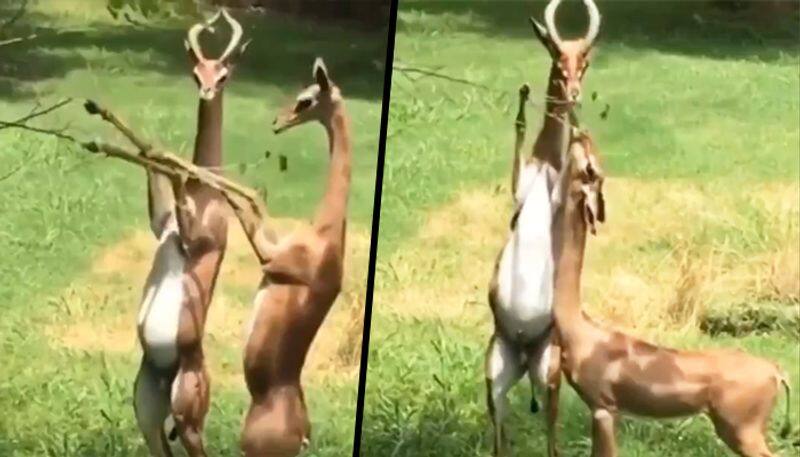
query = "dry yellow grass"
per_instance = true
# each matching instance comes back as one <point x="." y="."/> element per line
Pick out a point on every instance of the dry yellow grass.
<point x="669" y="251"/>
<point x="101" y="306"/>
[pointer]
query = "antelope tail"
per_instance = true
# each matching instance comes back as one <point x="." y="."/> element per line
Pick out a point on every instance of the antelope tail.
<point x="787" y="421"/>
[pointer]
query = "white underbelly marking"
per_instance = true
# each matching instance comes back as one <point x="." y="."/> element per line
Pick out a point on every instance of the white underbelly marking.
<point x="525" y="276"/>
<point x="159" y="313"/>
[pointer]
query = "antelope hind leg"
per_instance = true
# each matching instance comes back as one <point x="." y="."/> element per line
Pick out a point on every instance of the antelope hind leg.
<point x="151" y="404"/>
<point x="503" y="370"/>
<point x="190" y="398"/>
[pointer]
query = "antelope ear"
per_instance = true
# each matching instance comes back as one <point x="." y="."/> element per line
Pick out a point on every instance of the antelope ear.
<point x="589" y="208"/>
<point x="321" y="75"/>
<point x="544" y="37"/>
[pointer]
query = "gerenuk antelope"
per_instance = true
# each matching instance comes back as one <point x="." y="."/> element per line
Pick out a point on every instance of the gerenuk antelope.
<point x="520" y="293"/>
<point x="521" y="289"/>
<point x="302" y="278"/>
<point x="191" y="227"/>
<point x="615" y="373"/>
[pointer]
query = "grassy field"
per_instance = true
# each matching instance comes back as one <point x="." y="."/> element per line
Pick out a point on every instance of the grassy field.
<point x="701" y="149"/>
<point x="74" y="234"/>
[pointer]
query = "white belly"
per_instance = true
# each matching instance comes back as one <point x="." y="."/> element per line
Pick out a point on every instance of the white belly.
<point x="159" y="314"/>
<point x="526" y="270"/>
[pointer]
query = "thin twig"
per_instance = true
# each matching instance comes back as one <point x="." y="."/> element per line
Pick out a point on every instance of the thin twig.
<point x="57" y="133"/>
<point x="436" y="74"/>
<point x="35" y="113"/>
<point x="17" y="39"/>
<point x="12" y="172"/>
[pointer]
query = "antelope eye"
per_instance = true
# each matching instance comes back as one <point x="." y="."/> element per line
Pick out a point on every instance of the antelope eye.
<point x="222" y="79"/>
<point x="302" y="104"/>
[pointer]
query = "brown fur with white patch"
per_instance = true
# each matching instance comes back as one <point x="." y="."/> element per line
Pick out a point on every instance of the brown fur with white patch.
<point x="182" y="391"/>
<point x="615" y="373"/>
<point x="302" y="278"/>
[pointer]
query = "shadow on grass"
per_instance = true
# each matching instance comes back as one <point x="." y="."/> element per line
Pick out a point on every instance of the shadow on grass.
<point x="690" y="28"/>
<point x="281" y="52"/>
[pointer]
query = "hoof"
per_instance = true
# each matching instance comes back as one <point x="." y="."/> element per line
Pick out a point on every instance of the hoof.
<point x="534" y="406"/>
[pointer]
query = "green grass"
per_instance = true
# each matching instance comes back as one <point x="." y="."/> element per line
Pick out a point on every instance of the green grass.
<point x="61" y="208"/>
<point x="700" y="147"/>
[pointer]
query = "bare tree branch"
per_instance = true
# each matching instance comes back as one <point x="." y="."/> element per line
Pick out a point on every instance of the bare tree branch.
<point x="22" y="123"/>
<point x="425" y="72"/>
<point x="161" y="161"/>
<point x="57" y="133"/>
<point x="166" y="162"/>
<point x="35" y="113"/>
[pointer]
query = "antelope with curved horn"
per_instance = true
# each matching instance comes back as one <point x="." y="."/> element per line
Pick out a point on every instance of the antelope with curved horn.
<point x="189" y="221"/>
<point x="520" y="294"/>
<point x="570" y="59"/>
<point x="616" y="373"/>
<point x="302" y="278"/>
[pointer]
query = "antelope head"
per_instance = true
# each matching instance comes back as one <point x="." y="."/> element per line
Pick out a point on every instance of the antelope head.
<point x="586" y="179"/>
<point x="316" y="102"/>
<point x="570" y="57"/>
<point x="211" y="74"/>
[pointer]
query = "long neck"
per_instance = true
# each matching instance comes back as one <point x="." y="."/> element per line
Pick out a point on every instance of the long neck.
<point x="548" y="143"/>
<point x="332" y="213"/>
<point x="569" y="230"/>
<point x="208" y="142"/>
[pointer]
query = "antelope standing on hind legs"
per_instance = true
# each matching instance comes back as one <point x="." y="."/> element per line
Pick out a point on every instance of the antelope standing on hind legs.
<point x="615" y="373"/>
<point x="189" y="221"/>
<point x="521" y="289"/>
<point x="302" y="278"/>
<point x="520" y="293"/>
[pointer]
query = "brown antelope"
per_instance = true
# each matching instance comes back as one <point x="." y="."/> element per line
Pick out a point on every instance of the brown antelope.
<point x="521" y="290"/>
<point x="616" y="373"/>
<point x="189" y="221"/>
<point x="520" y="293"/>
<point x="302" y="278"/>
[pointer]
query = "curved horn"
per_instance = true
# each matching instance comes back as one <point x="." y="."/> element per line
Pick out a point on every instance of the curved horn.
<point x="194" y="34"/>
<point x="236" y="37"/>
<point x="594" y="22"/>
<point x="550" y="21"/>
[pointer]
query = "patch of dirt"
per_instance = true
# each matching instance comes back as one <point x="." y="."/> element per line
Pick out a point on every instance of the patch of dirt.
<point x="662" y="258"/>
<point x="101" y="307"/>
<point x="445" y="270"/>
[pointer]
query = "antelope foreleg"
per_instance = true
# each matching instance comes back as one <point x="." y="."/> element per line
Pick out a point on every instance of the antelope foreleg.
<point x="519" y="131"/>
<point x="160" y="201"/>
<point x="603" y="441"/>
<point x="253" y="221"/>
